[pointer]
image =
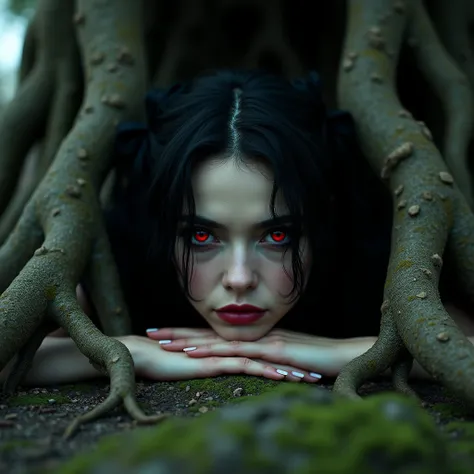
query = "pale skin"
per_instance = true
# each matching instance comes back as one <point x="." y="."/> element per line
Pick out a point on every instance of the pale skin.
<point x="236" y="262"/>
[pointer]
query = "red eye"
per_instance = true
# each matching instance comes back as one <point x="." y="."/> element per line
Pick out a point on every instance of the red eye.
<point x="201" y="236"/>
<point x="278" y="236"/>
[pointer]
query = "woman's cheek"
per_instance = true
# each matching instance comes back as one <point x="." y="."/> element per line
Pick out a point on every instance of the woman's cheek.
<point x="201" y="280"/>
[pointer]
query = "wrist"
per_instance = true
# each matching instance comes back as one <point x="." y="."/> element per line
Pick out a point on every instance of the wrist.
<point x="355" y="347"/>
<point x="131" y="344"/>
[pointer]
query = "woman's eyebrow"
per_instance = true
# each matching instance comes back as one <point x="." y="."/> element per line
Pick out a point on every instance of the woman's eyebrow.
<point x="204" y="221"/>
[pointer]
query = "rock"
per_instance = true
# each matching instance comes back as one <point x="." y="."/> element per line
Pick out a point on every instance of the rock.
<point x="295" y="429"/>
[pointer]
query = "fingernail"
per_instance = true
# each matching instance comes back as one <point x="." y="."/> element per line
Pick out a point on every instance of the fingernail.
<point x="165" y="341"/>
<point x="152" y="330"/>
<point x="282" y="372"/>
<point x="315" y="375"/>
<point x="298" y="374"/>
<point x="187" y="349"/>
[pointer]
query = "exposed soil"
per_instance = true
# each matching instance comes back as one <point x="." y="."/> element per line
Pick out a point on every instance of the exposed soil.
<point x="33" y="421"/>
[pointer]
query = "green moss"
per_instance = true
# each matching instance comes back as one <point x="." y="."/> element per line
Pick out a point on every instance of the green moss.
<point x="36" y="399"/>
<point x="293" y="429"/>
<point x="462" y="445"/>
<point x="404" y="264"/>
<point x="361" y="429"/>
<point x="223" y="387"/>
<point x="50" y="292"/>
<point x="144" y="444"/>
<point x="451" y="410"/>
<point x="13" y="444"/>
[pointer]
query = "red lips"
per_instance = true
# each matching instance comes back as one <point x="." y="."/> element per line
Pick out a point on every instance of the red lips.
<point x="240" y="314"/>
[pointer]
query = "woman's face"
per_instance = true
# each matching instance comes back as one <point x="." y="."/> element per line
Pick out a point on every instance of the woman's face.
<point x="236" y="259"/>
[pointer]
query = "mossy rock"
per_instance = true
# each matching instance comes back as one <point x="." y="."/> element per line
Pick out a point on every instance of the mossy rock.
<point x="294" y="429"/>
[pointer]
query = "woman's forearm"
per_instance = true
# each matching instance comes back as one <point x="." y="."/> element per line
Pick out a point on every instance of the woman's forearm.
<point x="58" y="360"/>
<point x="360" y="345"/>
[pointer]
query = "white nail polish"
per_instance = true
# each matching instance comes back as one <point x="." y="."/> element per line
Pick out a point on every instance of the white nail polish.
<point x="315" y="375"/>
<point x="165" y="341"/>
<point x="282" y="372"/>
<point x="187" y="349"/>
<point x="152" y="330"/>
<point x="298" y="374"/>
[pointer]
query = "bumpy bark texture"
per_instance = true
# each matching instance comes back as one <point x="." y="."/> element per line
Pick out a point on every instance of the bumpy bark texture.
<point x="52" y="233"/>
<point x="428" y="206"/>
<point x="61" y="228"/>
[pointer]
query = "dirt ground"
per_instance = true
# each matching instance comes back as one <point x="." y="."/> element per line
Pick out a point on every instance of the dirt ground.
<point x="32" y="421"/>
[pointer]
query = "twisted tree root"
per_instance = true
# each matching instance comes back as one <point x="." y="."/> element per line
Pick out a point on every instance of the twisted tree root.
<point x="114" y="358"/>
<point x="21" y="122"/>
<point x="424" y="199"/>
<point x="382" y="355"/>
<point x="452" y="87"/>
<point x="65" y="208"/>
<point x="68" y="88"/>
<point x="24" y="358"/>
<point x="99" y="276"/>
<point x="28" y="53"/>
<point x="452" y="21"/>
<point x="67" y="96"/>
<point x="271" y="39"/>
<point x="401" y="369"/>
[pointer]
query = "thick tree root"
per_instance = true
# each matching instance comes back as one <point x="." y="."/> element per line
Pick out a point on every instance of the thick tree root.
<point x="452" y="87"/>
<point x="453" y="22"/>
<point x="382" y="355"/>
<point x="24" y="358"/>
<point x="113" y="400"/>
<point x="62" y="226"/>
<point x="400" y="371"/>
<point x="424" y="199"/>
<point x="28" y="53"/>
<point x="114" y="358"/>
<point x="26" y="186"/>
<point x="99" y="276"/>
<point x="21" y="123"/>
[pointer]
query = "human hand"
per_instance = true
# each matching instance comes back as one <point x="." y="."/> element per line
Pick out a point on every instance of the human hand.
<point x="153" y="362"/>
<point x="304" y="354"/>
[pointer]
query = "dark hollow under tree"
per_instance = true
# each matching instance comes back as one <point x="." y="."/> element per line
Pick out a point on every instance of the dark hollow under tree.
<point x="86" y="66"/>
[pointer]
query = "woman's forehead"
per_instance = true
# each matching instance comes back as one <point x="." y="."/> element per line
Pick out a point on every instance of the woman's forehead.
<point x="226" y="189"/>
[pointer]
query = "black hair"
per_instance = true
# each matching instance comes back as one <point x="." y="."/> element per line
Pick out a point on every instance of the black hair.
<point x="244" y="115"/>
<point x="315" y="159"/>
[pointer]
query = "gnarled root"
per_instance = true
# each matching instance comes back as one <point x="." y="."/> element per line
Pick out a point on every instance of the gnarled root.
<point x="21" y="122"/>
<point x="453" y="21"/>
<point x="453" y="89"/>
<point x="382" y="355"/>
<point x="61" y="228"/>
<point x="101" y="274"/>
<point x="424" y="201"/>
<point x="24" y="358"/>
<point x="114" y="358"/>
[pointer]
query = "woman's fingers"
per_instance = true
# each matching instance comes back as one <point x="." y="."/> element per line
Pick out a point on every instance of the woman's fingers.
<point x="178" y="333"/>
<point x="262" y="353"/>
<point x="181" y="344"/>
<point x="295" y="374"/>
<point x="237" y="349"/>
<point x="241" y="365"/>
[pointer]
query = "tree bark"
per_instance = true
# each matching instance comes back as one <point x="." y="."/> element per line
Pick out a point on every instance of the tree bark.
<point x="62" y="228"/>
<point x="425" y="199"/>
